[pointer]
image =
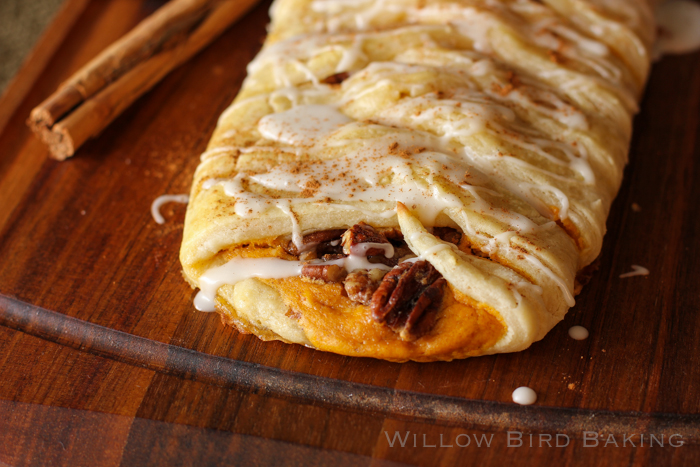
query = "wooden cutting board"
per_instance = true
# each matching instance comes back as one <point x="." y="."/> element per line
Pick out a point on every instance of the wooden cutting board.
<point x="104" y="361"/>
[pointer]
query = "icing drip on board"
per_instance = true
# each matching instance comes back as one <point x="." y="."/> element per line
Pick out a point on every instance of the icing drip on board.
<point x="524" y="396"/>
<point x="578" y="333"/>
<point x="636" y="271"/>
<point x="163" y="199"/>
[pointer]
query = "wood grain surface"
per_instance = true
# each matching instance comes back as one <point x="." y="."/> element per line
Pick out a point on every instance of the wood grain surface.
<point x="104" y="361"/>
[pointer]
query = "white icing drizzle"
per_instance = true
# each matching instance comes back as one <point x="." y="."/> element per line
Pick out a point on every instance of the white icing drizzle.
<point x="524" y="396"/>
<point x="361" y="249"/>
<point x="204" y="302"/>
<point x="302" y="125"/>
<point x="430" y="251"/>
<point x="284" y="205"/>
<point x="161" y="200"/>
<point x="578" y="333"/>
<point x="636" y="271"/>
<point x="477" y="112"/>
<point x="435" y="249"/>
<point x="359" y="20"/>
<point x="359" y="175"/>
<point x="238" y="269"/>
<point x="542" y="27"/>
<point x="474" y="117"/>
<point x="354" y="262"/>
<point x="372" y="178"/>
<point x="679" y="27"/>
<point x="568" y="296"/>
<point x="441" y="131"/>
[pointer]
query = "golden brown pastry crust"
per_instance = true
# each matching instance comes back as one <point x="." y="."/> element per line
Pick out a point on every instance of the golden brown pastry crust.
<point x="509" y="121"/>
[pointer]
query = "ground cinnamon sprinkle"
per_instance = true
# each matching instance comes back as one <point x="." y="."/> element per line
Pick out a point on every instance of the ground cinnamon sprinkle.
<point x="310" y="188"/>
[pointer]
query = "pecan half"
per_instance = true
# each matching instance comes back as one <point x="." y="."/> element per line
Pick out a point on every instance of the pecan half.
<point x="336" y="78"/>
<point x="324" y="272"/>
<point x="332" y="256"/>
<point x="322" y="238"/>
<point x="364" y="233"/>
<point x="361" y="284"/>
<point x="391" y="233"/>
<point x="408" y="297"/>
<point x="448" y="234"/>
<point x="331" y="249"/>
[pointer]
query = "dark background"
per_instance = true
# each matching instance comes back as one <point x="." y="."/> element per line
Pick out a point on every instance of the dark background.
<point x="21" y="24"/>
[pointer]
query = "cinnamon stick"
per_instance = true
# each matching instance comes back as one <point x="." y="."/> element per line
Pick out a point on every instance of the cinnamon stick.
<point x="99" y="92"/>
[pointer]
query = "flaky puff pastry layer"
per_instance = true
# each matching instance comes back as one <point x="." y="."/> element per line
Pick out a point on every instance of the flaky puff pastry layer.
<point x="508" y="120"/>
